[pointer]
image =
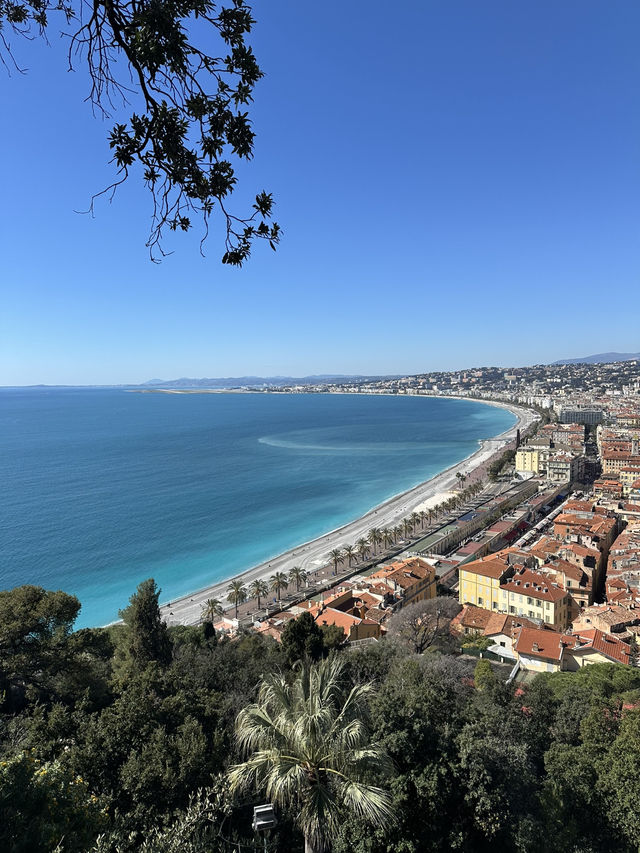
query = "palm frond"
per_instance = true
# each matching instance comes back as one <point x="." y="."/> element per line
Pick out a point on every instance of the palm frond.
<point x="308" y="747"/>
<point x="368" y="802"/>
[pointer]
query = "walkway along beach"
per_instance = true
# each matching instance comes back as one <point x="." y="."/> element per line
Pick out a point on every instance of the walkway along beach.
<point x="312" y="555"/>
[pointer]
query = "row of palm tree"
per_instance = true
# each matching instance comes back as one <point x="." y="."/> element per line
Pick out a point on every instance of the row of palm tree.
<point x="366" y="546"/>
<point x="405" y="529"/>
<point x="238" y="593"/>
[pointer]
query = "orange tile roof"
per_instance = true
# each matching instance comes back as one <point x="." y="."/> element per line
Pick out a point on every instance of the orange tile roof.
<point x="606" y="644"/>
<point x="471" y="616"/>
<point x="534" y="585"/>
<point x="330" y="616"/>
<point x="579" y="550"/>
<point x="537" y="642"/>
<point x="503" y="623"/>
<point x="490" y="568"/>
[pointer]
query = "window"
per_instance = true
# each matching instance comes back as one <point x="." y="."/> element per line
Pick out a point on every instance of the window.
<point x="528" y="601"/>
<point x="568" y="583"/>
<point x="479" y="600"/>
<point x="494" y="605"/>
<point x="531" y="614"/>
<point x="512" y="609"/>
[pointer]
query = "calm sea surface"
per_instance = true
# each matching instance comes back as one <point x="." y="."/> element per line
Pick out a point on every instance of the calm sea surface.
<point x="100" y="489"/>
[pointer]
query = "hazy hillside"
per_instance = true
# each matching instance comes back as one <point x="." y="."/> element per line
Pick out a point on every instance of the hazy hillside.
<point x="601" y="358"/>
<point x="250" y="381"/>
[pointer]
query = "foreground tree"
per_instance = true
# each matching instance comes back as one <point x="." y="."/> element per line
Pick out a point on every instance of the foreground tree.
<point x="41" y="658"/>
<point x="309" y="749"/>
<point x="146" y="639"/>
<point x="421" y="624"/>
<point x="45" y="807"/>
<point x="35" y="624"/>
<point x="189" y="117"/>
<point x="302" y="638"/>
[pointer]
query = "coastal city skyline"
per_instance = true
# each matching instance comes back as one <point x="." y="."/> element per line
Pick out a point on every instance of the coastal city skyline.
<point x="472" y="169"/>
<point x="587" y="366"/>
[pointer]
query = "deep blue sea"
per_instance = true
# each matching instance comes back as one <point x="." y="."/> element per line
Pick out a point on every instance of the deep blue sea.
<point x="101" y="489"/>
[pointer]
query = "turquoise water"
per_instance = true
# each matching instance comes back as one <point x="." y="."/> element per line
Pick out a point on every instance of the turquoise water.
<point x="104" y="488"/>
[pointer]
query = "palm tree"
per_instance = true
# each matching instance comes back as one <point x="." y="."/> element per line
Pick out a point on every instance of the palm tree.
<point x="278" y="582"/>
<point x="387" y="537"/>
<point x="349" y="552"/>
<point x="415" y="518"/>
<point x="423" y="517"/>
<point x="397" y="531"/>
<point x="337" y="557"/>
<point x="259" y="589"/>
<point x="309" y="748"/>
<point x="298" y="575"/>
<point x="362" y="547"/>
<point x="236" y="594"/>
<point x="407" y="526"/>
<point x="375" y="537"/>
<point x="211" y="609"/>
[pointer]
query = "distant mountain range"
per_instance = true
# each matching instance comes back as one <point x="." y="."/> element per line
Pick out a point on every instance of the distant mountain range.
<point x="254" y="381"/>
<point x="601" y="358"/>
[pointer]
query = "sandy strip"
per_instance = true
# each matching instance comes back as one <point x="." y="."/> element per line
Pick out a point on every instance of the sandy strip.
<point x="311" y="555"/>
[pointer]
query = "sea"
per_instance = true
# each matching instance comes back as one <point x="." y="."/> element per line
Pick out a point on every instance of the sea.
<point x="103" y="488"/>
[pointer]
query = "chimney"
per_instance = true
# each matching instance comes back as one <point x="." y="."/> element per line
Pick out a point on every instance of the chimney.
<point x="535" y="647"/>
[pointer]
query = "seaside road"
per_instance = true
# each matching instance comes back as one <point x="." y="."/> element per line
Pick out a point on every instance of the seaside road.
<point x="313" y="555"/>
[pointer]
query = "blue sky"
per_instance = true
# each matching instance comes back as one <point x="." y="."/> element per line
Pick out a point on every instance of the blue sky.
<point x="458" y="183"/>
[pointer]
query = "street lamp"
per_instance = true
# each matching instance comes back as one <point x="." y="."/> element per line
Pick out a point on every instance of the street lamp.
<point x="264" y="820"/>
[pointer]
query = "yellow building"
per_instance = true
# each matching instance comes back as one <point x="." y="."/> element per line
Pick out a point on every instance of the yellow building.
<point x="536" y="596"/>
<point x="528" y="459"/>
<point x="479" y="582"/>
<point x="498" y="587"/>
<point x="628" y="476"/>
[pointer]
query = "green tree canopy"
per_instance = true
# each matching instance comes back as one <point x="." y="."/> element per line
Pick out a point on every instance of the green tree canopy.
<point x="309" y="749"/>
<point x="40" y="657"/>
<point x="146" y="639"/>
<point x="43" y="805"/>
<point x="301" y="638"/>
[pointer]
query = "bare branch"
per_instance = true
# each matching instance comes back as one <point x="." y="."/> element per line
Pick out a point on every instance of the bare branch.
<point x="189" y="121"/>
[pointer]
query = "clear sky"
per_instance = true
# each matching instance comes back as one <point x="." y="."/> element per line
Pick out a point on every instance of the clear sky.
<point x="458" y="182"/>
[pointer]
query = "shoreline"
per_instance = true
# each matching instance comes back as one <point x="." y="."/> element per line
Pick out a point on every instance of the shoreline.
<point x="313" y="554"/>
